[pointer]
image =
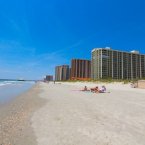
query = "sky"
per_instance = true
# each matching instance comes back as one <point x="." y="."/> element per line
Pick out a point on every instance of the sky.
<point x="37" y="35"/>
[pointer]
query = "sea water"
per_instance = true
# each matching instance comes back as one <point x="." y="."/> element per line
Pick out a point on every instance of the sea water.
<point x="10" y="89"/>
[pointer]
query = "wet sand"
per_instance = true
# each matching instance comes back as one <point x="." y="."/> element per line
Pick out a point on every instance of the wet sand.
<point x="15" y="124"/>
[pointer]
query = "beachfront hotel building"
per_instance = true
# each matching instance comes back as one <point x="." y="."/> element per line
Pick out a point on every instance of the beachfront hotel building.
<point x="62" y="73"/>
<point x="114" y="64"/>
<point x="80" y="69"/>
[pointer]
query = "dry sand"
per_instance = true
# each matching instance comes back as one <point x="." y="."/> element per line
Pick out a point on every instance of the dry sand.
<point x="72" y="117"/>
<point x="15" y="124"/>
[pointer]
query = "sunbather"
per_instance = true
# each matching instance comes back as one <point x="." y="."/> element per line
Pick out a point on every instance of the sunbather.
<point x="102" y="90"/>
<point x="85" y="89"/>
<point x="95" y="90"/>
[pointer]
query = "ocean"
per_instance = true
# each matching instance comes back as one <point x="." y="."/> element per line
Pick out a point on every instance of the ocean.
<point x="9" y="89"/>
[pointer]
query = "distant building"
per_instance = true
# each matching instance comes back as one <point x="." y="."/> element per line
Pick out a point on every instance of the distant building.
<point x="70" y="73"/>
<point x="62" y="73"/>
<point x="49" y="78"/>
<point x="80" y="69"/>
<point x="114" y="64"/>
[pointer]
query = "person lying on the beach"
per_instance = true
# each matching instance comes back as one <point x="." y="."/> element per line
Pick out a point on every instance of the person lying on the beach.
<point x="92" y="89"/>
<point x="95" y="90"/>
<point x="102" y="90"/>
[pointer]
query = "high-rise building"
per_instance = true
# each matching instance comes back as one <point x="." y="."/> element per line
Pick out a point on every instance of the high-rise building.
<point x="80" y="69"/>
<point x="108" y="63"/>
<point x="62" y="73"/>
<point x="49" y="78"/>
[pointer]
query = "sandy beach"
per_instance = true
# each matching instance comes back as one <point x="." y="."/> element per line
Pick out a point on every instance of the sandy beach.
<point x="72" y="117"/>
<point x="60" y="114"/>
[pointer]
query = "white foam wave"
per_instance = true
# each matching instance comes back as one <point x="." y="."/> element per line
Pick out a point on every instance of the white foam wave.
<point x="7" y="83"/>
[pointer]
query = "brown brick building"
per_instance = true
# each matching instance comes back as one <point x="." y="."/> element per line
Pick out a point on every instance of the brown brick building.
<point x="80" y="69"/>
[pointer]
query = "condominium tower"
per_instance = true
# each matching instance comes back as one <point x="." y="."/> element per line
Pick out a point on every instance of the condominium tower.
<point x="62" y="73"/>
<point x="80" y="69"/>
<point x="114" y="64"/>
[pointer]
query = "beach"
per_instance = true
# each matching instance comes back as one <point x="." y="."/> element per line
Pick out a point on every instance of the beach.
<point x="73" y="117"/>
<point x="61" y="114"/>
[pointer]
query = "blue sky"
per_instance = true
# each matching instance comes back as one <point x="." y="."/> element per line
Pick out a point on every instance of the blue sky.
<point x="37" y="35"/>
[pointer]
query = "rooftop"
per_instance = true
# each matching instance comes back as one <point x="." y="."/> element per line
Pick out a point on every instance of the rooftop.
<point x="109" y="48"/>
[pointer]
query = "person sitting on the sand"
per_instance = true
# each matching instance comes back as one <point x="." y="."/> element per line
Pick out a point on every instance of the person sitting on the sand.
<point x="102" y="90"/>
<point x="85" y="89"/>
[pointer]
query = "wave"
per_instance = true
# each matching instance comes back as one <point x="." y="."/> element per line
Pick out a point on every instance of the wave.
<point x="3" y="83"/>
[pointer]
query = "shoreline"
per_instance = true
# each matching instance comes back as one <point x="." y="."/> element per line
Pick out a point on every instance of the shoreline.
<point x="10" y="91"/>
<point x="15" y="118"/>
